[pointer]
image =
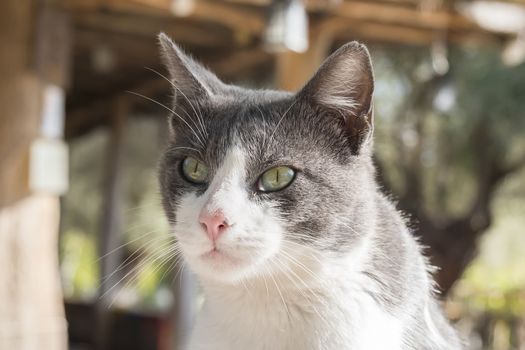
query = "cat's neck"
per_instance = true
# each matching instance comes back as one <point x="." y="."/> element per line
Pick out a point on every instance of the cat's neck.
<point x="295" y="315"/>
<point x="315" y="278"/>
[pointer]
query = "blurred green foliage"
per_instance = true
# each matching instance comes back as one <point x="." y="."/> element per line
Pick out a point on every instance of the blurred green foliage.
<point x="78" y="265"/>
<point x="447" y="130"/>
<point x="145" y="235"/>
<point x="496" y="280"/>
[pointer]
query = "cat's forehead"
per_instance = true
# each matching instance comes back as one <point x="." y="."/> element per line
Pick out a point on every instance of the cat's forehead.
<point x="245" y="108"/>
<point x="253" y="121"/>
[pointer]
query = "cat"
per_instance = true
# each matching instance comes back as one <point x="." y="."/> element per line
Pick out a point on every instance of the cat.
<point x="273" y="202"/>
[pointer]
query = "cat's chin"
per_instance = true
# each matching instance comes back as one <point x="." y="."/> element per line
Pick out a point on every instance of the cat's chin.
<point x="220" y="266"/>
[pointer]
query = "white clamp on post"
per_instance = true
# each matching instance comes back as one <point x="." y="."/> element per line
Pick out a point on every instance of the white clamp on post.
<point x="48" y="165"/>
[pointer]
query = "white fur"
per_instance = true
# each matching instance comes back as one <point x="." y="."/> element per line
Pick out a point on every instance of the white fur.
<point x="253" y="236"/>
<point x="337" y="315"/>
<point x="267" y="293"/>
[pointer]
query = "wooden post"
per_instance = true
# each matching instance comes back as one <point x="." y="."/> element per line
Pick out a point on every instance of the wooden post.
<point x="111" y="233"/>
<point x="31" y="308"/>
<point x="294" y="69"/>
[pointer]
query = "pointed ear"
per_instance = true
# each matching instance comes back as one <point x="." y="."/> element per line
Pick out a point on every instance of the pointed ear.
<point x="189" y="78"/>
<point x="343" y="87"/>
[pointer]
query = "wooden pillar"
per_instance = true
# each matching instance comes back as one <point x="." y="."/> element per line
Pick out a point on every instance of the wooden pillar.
<point x="294" y="69"/>
<point x="111" y="232"/>
<point x="31" y="308"/>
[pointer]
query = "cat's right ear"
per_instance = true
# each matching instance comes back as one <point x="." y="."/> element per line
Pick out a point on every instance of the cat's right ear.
<point x="189" y="79"/>
<point x="342" y="88"/>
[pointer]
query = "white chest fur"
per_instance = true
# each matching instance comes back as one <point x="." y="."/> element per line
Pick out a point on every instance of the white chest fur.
<point x="336" y="319"/>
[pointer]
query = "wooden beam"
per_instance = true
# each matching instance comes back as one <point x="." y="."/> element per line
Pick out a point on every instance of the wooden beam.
<point x="133" y="27"/>
<point x="344" y="30"/>
<point x="405" y="13"/>
<point x="239" y="17"/>
<point x="226" y="67"/>
<point x="234" y="64"/>
<point x="233" y="17"/>
<point x="319" y="4"/>
<point x="402" y="15"/>
<point x="85" y="117"/>
<point x="19" y="98"/>
<point x="294" y="69"/>
<point x="230" y="16"/>
<point x="53" y="47"/>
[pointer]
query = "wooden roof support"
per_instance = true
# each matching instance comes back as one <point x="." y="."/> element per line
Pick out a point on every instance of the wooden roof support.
<point x="123" y="26"/>
<point x="97" y="112"/>
<point x="318" y="4"/>
<point x="401" y="19"/>
<point x="402" y="15"/>
<point x="228" y="15"/>
<point x="294" y="69"/>
<point x="220" y="24"/>
<point x="343" y="30"/>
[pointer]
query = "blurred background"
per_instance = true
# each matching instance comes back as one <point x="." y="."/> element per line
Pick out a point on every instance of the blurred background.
<point x="84" y="246"/>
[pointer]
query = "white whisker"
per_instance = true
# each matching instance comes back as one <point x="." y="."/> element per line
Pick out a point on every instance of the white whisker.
<point x="284" y="115"/>
<point x="201" y="142"/>
<point x="199" y="117"/>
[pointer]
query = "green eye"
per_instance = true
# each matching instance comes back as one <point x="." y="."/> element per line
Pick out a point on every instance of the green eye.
<point x="276" y="179"/>
<point x="194" y="170"/>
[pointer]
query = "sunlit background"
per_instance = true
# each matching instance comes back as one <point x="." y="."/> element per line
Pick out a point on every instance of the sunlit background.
<point x="82" y="122"/>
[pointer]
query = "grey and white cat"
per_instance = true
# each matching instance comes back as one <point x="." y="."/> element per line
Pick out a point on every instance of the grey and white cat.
<point x="273" y="201"/>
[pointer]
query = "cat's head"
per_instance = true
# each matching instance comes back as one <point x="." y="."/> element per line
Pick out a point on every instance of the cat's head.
<point x="254" y="182"/>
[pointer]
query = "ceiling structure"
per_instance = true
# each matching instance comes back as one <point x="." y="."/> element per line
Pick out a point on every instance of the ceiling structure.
<point x="113" y="40"/>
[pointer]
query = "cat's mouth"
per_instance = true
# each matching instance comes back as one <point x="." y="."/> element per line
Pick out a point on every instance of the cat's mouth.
<point x="216" y="255"/>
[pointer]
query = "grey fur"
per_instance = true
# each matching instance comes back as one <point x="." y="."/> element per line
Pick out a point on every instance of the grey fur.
<point x="324" y="130"/>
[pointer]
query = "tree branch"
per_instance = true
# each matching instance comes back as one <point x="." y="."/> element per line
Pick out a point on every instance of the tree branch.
<point x="515" y="166"/>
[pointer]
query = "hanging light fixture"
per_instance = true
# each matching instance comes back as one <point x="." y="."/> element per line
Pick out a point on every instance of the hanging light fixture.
<point x="514" y="52"/>
<point x="287" y="27"/>
<point x="501" y="17"/>
<point x="497" y="16"/>
<point x="182" y="8"/>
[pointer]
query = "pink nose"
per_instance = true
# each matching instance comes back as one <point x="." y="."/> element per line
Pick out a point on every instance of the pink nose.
<point x="214" y="224"/>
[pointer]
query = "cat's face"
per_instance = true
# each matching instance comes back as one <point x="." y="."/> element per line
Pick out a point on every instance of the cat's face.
<point x="256" y="183"/>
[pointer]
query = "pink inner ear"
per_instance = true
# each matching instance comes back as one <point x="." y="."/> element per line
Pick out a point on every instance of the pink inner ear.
<point x="344" y="82"/>
<point x="343" y="87"/>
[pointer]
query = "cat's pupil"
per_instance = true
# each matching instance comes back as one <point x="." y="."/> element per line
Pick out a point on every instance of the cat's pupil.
<point x="194" y="170"/>
<point x="276" y="179"/>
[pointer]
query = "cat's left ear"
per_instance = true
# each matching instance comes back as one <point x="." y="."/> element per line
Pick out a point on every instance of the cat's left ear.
<point x="343" y="88"/>
<point x="189" y="78"/>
